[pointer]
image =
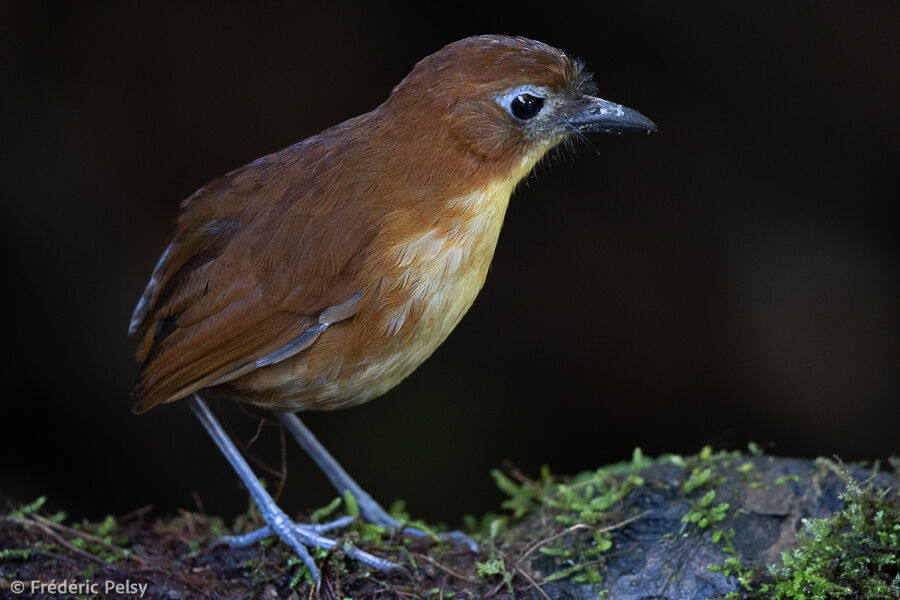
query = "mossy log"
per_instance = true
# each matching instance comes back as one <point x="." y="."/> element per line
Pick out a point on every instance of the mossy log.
<point x="672" y="528"/>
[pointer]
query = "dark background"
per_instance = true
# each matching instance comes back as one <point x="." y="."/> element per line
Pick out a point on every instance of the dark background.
<point x="732" y="278"/>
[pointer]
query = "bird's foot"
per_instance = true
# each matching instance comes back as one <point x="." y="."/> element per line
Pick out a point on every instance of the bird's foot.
<point x="369" y="509"/>
<point x="302" y="536"/>
<point x="378" y="516"/>
<point x="298" y="537"/>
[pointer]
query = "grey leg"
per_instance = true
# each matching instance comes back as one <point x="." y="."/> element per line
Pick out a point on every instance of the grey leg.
<point x="298" y="537"/>
<point x="248" y="539"/>
<point x="370" y="510"/>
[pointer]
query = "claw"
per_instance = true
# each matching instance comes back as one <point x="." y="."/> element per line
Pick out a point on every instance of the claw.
<point x="463" y="539"/>
<point x="299" y="536"/>
<point x="377" y="515"/>
<point x="453" y="536"/>
<point x="369" y="509"/>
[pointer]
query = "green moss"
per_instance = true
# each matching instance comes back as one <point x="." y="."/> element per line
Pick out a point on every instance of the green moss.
<point x="16" y="553"/>
<point x="319" y="514"/>
<point x="704" y="515"/>
<point x="496" y="566"/>
<point x="568" y="520"/>
<point x="786" y="479"/>
<point x="552" y="528"/>
<point x="28" y="509"/>
<point x="853" y="554"/>
<point x="98" y="539"/>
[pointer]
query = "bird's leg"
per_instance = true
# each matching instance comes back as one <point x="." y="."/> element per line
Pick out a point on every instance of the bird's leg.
<point x="369" y="509"/>
<point x="298" y="537"/>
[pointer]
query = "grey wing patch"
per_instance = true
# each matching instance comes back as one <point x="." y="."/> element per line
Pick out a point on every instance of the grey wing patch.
<point x="330" y="315"/>
<point x="301" y="342"/>
<point x="341" y="311"/>
<point x="150" y="292"/>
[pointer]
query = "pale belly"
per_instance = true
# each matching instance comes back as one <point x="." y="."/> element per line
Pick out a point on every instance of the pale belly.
<point x="429" y="283"/>
<point x="411" y="333"/>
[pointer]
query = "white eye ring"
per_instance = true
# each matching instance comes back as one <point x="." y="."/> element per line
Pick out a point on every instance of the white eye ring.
<point x="506" y="98"/>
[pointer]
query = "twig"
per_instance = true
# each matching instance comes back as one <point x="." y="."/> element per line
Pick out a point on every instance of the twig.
<point x="573" y="528"/>
<point x="562" y="533"/>
<point x="198" y="501"/>
<point x="445" y="568"/>
<point x="262" y="421"/>
<point x="282" y="478"/>
<point x="518" y="569"/>
<point x="62" y="542"/>
<point x="85" y="535"/>
<point x="516" y="473"/>
<point x="517" y="564"/>
<point x="494" y="591"/>
<point x="138" y="512"/>
<point x="532" y="582"/>
<point x="281" y="474"/>
<point x="189" y="521"/>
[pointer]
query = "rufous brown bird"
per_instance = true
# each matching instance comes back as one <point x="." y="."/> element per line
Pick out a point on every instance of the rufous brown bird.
<point x="320" y="276"/>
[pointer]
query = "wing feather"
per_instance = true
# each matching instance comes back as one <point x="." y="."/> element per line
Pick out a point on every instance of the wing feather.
<point x="254" y="267"/>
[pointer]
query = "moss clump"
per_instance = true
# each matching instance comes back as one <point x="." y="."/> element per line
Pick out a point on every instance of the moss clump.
<point x="557" y="537"/>
<point x="853" y="554"/>
<point x="561" y="525"/>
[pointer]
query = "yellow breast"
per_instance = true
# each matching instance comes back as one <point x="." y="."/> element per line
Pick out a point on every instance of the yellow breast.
<point x="429" y="278"/>
<point x="433" y="279"/>
<point x="444" y="268"/>
<point x="437" y="276"/>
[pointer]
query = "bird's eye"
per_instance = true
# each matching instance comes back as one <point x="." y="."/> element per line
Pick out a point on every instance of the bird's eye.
<point x="525" y="106"/>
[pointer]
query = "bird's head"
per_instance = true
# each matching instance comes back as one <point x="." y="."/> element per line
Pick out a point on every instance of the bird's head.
<point x="506" y="98"/>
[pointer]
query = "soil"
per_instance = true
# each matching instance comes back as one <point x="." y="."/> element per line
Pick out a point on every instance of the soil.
<point x="654" y="553"/>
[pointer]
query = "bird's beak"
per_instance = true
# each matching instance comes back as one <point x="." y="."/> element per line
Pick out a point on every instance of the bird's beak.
<point x="596" y="114"/>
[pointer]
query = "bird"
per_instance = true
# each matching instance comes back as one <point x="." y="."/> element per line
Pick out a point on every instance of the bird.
<point x="320" y="276"/>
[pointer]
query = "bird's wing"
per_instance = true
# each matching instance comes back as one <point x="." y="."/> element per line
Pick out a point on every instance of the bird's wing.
<point x="256" y="270"/>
